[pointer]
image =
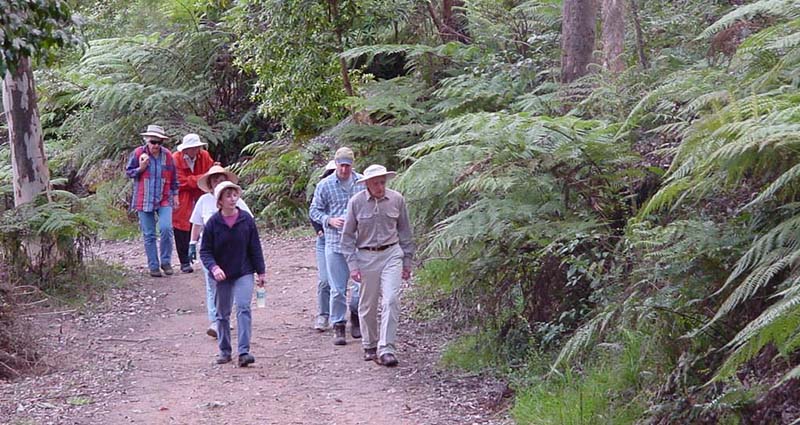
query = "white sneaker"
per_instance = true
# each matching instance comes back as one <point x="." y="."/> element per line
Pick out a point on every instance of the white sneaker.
<point x="212" y="330"/>
<point x="321" y="324"/>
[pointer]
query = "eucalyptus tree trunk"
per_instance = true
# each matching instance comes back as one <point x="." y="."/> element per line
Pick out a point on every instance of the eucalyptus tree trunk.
<point x="31" y="176"/>
<point x="577" y="38"/>
<point x="613" y="16"/>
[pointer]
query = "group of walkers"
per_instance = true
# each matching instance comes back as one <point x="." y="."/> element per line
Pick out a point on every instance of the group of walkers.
<point x="363" y="234"/>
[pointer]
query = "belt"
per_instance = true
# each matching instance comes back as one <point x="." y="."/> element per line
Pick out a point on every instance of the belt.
<point x="378" y="248"/>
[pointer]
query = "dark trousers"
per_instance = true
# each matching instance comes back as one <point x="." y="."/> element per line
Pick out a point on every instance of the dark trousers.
<point x="182" y="238"/>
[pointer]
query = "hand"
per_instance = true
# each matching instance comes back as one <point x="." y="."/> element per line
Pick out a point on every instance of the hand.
<point x="320" y="233"/>
<point x="219" y="275"/>
<point x="217" y="163"/>
<point x="356" y="275"/>
<point x="261" y="279"/>
<point x="144" y="161"/>
<point x="336" y="222"/>
<point x="192" y="252"/>
<point x="176" y="203"/>
<point x="406" y="273"/>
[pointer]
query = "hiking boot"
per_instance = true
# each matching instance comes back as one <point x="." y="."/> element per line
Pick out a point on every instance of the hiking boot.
<point x="338" y="334"/>
<point x="321" y="324"/>
<point x="167" y="269"/>
<point x="387" y="359"/>
<point x="355" y="326"/>
<point x="156" y="273"/>
<point x="370" y="354"/>
<point x="186" y="268"/>
<point x="223" y="359"/>
<point x="212" y="330"/>
<point x="246" y="359"/>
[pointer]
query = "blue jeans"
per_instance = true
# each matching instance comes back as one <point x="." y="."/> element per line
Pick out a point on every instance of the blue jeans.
<point x="239" y="291"/>
<point x="323" y="288"/>
<point x="147" y="222"/>
<point x="338" y="276"/>
<point x="211" y="295"/>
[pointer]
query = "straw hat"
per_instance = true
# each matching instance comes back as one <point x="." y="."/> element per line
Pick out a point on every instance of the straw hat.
<point x="375" y="170"/>
<point x="190" y="140"/>
<point x="202" y="182"/>
<point x="155" y="131"/>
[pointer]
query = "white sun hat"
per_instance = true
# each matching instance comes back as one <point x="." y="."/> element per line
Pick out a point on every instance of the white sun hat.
<point x="225" y="185"/>
<point x="375" y="170"/>
<point x="191" y="140"/>
<point x="155" y="131"/>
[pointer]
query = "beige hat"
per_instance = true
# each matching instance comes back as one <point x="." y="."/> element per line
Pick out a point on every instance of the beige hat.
<point x="331" y="165"/>
<point x="225" y="185"/>
<point x="375" y="170"/>
<point x="344" y="155"/>
<point x="190" y="140"/>
<point x="202" y="182"/>
<point x="155" y="131"/>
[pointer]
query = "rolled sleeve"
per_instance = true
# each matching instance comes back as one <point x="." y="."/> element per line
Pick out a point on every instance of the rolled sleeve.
<point x="405" y="235"/>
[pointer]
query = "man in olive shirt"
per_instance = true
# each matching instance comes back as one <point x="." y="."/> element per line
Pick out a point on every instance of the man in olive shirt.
<point x="378" y="246"/>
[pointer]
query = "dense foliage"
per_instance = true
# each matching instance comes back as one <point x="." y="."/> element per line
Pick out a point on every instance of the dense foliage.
<point x="626" y="243"/>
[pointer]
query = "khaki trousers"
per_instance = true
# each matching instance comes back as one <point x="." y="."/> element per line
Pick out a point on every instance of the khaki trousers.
<point x="381" y="274"/>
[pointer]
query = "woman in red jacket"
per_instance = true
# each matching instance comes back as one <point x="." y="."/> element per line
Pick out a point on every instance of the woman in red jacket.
<point x="192" y="161"/>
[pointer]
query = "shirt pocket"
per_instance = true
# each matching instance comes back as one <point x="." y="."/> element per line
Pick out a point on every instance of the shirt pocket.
<point x="366" y="217"/>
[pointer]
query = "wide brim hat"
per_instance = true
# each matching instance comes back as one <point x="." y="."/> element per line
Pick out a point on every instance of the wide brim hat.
<point x="375" y="170"/>
<point x="191" y="140"/>
<point x="225" y="185"/>
<point x="331" y="165"/>
<point x="202" y="182"/>
<point x="155" y="131"/>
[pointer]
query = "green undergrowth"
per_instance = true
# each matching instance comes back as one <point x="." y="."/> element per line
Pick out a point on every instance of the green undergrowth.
<point x="91" y="282"/>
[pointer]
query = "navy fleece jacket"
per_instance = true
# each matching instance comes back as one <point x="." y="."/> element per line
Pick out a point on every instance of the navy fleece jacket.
<point x="236" y="250"/>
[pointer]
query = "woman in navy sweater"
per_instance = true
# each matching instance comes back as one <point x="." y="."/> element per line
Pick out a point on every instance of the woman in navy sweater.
<point x="231" y="251"/>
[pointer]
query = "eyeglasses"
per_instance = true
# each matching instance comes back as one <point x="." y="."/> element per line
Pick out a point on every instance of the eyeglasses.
<point x="155" y="141"/>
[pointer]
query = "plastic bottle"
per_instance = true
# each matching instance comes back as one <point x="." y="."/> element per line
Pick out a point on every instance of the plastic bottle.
<point x="261" y="297"/>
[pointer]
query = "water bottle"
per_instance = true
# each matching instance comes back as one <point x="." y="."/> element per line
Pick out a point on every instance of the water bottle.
<point x="261" y="297"/>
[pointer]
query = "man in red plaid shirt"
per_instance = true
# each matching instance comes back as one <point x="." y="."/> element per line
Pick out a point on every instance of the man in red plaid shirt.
<point x="155" y="193"/>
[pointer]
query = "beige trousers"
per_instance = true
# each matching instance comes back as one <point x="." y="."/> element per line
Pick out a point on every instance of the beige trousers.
<point x="381" y="274"/>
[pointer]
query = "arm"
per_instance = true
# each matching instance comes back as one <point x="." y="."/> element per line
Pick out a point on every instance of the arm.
<point x="196" y="231"/>
<point x="319" y="205"/>
<point x="404" y="233"/>
<point x="256" y="254"/>
<point x="207" y="248"/>
<point x="317" y="227"/>
<point x="173" y="187"/>
<point x="348" y="243"/>
<point x="133" y="169"/>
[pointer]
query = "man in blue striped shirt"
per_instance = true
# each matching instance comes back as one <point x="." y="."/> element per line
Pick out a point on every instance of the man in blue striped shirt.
<point x="329" y="207"/>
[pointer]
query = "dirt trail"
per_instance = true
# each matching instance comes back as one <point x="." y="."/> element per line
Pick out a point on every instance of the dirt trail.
<point x="147" y="360"/>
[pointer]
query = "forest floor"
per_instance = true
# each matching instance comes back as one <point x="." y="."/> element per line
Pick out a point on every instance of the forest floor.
<point x="140" y="355"/>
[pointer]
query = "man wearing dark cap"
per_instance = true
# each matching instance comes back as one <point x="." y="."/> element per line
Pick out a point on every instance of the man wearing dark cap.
<point x="329" y="207"/>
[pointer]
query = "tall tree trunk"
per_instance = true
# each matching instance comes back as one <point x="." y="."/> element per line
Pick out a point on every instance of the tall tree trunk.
<point x="333" y="8"/>
<point x="31" y="176"/>
<point x="577" y="38"/>
<point x="613" y="16"/>
<point x="639" y="37"/>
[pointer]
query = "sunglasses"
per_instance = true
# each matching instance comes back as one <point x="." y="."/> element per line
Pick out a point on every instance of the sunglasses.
<point x="155" y="141"/>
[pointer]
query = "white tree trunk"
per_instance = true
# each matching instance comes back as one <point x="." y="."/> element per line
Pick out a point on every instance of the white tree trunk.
<point x="31" y="176"/>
